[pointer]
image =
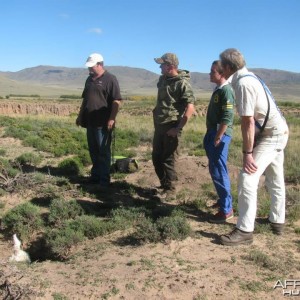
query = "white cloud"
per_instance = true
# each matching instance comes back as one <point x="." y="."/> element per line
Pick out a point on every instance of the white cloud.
<point x="95" y="30"/>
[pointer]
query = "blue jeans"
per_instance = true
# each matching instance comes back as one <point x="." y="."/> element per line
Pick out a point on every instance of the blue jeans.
<point x="217" y="162"/>
<point x="99" y="142"/>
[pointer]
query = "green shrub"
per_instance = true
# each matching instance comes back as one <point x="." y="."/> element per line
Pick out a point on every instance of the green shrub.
<point x="270" y="262"/>
<point x="35" y="142"/>
<point x="70" y="97"/>
<point x="173" y="227"/>
<point x="61" y="210"/>
<point x="60" y="241"/>
<point x="90" y="226"/>
<point x="29" y="158"/>
<point x="7" y="121"/>
<point x="2" y="152"/>
<point x="123" y="218"/>
<point x="23" y="220"/>
<point x="125" y="139"/>
<point x="294" y="213"/>
<point x="147" y="231"/>
<point x="7" y="170"/>
<point x="84" y="157"/>
<point x="71" y="166"/>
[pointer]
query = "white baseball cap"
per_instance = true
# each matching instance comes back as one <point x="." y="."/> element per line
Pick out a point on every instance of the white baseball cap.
<point x="93" y="59"/>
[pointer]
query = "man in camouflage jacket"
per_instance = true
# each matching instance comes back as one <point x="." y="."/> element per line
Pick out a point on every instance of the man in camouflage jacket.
<point x="175" y="105"/>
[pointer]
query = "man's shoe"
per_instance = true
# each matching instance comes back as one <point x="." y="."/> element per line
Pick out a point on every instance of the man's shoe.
<point x="237" y="237"/>
<point x="277" y="228"/>
<point x="167" y="194"/>
<point x="221" y="217"/>
<point x="92" y="180"/>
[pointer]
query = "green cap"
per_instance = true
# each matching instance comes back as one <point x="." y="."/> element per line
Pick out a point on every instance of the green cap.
<point x="170" y="58"/>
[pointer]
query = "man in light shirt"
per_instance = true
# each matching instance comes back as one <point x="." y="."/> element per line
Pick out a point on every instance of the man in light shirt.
<point x="265" y="135"/>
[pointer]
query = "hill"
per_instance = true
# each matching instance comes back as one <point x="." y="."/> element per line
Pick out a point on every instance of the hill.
<point x="55" y="81"/>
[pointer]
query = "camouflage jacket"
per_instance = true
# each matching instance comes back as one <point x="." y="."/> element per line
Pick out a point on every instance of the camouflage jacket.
<point x="174" y="94"/>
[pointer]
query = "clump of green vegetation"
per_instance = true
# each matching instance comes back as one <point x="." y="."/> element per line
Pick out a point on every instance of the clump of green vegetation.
<point x="282" y="265"/>
<point x="293" y="208"/>
<point x="58" y="296"/>
<point x="60" y="240"/>
<point x="61" y="210"/>
<point x="70" y="97"/>
<point x="24" y="220"/>
<point x="294" y="213"/>
<point x="124" y="140"/>
<point x="91" y="226"/>
<point x="173" y="227"/>
<point x="74" y="226"/>
<point x="253" y="286"/>
<point x="147" y="231"/>
<point x="7" y="170"/>
<point x="123" y="218"/>
<point x="297" y="230"/>
<point x="24" y="95"/>
<point x="29" y="158"/>
<point x="71" y="166"/>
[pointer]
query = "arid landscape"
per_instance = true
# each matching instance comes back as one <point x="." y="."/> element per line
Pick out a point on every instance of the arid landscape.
<point x="120" y="266"/>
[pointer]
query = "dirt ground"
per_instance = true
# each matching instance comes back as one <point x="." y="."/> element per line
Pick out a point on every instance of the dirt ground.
<point x="198" y="267"/>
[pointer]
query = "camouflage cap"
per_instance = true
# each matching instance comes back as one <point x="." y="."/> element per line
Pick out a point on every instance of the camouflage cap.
<point x="170" y="58"/>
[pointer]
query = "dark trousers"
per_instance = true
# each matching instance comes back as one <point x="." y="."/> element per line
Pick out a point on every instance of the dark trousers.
<point x="99" y="142"/>
<point x="164" y="155"/>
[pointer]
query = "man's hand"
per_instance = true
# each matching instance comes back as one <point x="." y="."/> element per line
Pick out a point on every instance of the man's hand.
<point x="173" y="132"/>
<point x="249" y="165"/>
<point x="78" y="121"/>
<point x="217" y="141"/>
<point x="111" y="124"/>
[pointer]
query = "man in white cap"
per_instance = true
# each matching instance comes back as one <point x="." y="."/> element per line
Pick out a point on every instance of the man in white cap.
<point x="99" y="108"/>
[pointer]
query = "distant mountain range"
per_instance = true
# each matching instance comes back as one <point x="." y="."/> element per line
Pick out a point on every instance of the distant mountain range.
<point x="56" y="81"/>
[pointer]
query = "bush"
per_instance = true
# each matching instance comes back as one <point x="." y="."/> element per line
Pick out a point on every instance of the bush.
<point x="84" y="157"/>
<point x="174" y="227"/>
<point x="61" y="210"/>
<point x="23" y="220"/>
<point x="29" y="158"/>
<point x="7" y="170"/>
<point x="71" y="166"/>
<point x="147" y="231"/>
<point x="70" y="97"/>
<point x="90" y="226"/>
<point x="123" y="218"/>
<point x="60" y="241"/>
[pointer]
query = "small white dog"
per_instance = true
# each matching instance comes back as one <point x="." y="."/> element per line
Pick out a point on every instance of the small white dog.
<point x="19" y="255"/>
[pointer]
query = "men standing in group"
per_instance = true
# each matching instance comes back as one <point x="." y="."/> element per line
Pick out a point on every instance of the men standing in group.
<point x="100" y="105"/>
<point x="261" y="121"/>
<point x="219" y="121"/>
<point x="175" y="105"/>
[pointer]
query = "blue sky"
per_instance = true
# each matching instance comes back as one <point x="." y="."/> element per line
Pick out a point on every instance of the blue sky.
<point x="133" y="32"/>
